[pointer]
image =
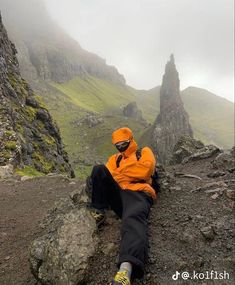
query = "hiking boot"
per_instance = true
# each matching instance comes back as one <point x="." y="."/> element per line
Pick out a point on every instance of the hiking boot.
<point x="98" y="215"/>
<point x="121" y="278"/>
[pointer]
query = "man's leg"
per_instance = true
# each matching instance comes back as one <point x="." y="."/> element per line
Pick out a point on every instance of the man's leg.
<point x="105" y="190"/>
<point x="134" y="231"/>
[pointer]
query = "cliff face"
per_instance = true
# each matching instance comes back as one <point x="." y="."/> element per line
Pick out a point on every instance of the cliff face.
<point x="28" y="136"/>
<point x="45" y="51"/>
<point x="173" y="120"/>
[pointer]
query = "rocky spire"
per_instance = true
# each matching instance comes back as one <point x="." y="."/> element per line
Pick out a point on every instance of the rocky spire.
<point x="173" y="120"/>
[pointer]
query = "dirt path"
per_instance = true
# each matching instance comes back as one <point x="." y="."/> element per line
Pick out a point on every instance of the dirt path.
<point x="23" y="205"/>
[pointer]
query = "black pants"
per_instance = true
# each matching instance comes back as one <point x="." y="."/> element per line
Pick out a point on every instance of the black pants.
<point x="133" y="208"/>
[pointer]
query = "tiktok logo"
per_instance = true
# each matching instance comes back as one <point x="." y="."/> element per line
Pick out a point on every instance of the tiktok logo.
<point x="176" y="275"/>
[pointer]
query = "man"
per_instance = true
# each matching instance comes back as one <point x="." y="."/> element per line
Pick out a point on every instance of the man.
<point x="124" y="184"/>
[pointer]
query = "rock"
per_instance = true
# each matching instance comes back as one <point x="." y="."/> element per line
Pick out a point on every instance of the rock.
<point x="215" y="174"/>
<point x="208" y="232"/>
<point x="32" y="102"/>
<point x="42" y="115"/>
<point x="216" y="190"/>
<point x="109" y="249"/>
<point x="6" y="171"/>
<point x="24" y="178"/>
<point x="75" y="196"/>
<point x="28" y="135"/>
<point x="173" y="120"/>
<point x="62" y="255"/>
<point x="215" y="196"/>
<point x="184" y="148"/>
<point x="131" y="110"/>
<point x="224" y="160"/>
<point x="187" y="238"/>
<point x="212" y="187"/>
<point x="230" y="194"/>
<point x="203" y="153"/>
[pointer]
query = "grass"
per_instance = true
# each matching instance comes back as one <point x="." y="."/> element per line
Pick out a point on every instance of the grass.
<point x="70" y="102"/>
<point x="94" y="94"/>
<point x="29" y="171"/>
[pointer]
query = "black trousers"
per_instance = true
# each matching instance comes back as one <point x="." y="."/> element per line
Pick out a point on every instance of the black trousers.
<point x="133" y="208"/>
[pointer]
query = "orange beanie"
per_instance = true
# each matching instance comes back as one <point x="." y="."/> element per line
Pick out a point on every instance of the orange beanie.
<point x="121" y="134"/>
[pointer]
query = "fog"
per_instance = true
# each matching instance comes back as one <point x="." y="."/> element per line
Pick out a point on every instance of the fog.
<point x="137" y="36"/>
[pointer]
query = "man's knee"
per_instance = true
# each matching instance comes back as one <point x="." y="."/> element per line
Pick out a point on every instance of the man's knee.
<point x="99" y="169"/>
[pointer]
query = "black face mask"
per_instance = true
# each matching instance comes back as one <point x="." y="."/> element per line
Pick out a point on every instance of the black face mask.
<point x="121" y="147"/>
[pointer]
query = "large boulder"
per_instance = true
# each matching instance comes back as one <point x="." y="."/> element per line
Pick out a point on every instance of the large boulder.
<point x="188" y="149"/>
<point x="225" y="160"/>
<point x="62" y="255"/>
<point x="185" y="147"/>
<point x="131" y="110"/>
<point x="205" y="152"/>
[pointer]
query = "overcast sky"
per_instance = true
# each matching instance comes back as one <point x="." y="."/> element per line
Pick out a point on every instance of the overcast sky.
<point x="138" y="36"/>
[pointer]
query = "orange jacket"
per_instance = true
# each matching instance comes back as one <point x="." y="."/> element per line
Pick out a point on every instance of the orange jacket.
<point x="131" y="169"/>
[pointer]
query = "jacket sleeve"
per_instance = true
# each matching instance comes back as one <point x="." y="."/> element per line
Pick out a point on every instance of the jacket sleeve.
<point x="141" y="169"/>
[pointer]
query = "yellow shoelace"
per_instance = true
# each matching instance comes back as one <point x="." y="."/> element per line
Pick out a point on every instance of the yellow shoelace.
<point x="122" y="277"/>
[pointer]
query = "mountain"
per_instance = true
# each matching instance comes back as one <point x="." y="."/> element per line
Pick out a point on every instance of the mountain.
<point x="30" y="141"/>
<point x="85" y="95"/>
<point x="46" y="51"/>
<point x="211" y="116"/>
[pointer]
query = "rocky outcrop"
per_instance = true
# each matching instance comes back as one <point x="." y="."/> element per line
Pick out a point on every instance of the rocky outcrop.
<point x="173" y="120"/>
<point x="131" y="110"/>
<point x="225" y="160"/>
<point x="28" y="136"/>
<point x="45" y="51"/>
<point x="188" y="149"/>
<point x="62" y="255"/>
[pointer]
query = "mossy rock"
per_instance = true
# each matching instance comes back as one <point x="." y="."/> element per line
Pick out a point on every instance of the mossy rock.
<point x="45" y="165"/>
<point x="31" y="113"/>
<point x="28" y="171"/>
<point x="5" y="154"/>
<point x="8" y="133"/>
<point x="11" y="145"/>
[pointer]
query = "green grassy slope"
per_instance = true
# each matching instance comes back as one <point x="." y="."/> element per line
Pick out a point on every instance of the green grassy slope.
<point x="210" y="116"/>
<point x="70" y="102"/>
<point x="95" y="95"/>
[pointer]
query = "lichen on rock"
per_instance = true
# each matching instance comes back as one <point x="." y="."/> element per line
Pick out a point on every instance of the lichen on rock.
<point x="27" y="128"/>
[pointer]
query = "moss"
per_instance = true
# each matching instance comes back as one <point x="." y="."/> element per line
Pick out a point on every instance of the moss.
<point x="49" y="140"/>
<point x="9" y="133"/>
<point x="19" y="128"/>
<point x="40" y="101"/>
<point x="46" y="165"/>
<point x="12" y="80"/>
<point x="31" y="112"/>
<point x="11" y="145"/>
<point x="5" y="154"/>
<point x="28" y="171"/>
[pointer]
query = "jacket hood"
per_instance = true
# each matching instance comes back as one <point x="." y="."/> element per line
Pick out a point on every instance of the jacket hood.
<point x="122" y="134"/>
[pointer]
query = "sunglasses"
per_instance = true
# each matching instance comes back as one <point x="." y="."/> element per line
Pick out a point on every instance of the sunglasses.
<point x="123" y="143"/>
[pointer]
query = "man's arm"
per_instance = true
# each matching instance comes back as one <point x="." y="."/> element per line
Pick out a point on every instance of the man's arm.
<point x="141" y="169"/>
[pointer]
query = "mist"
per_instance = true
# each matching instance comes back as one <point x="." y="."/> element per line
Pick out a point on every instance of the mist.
<point x="137" y="36"/>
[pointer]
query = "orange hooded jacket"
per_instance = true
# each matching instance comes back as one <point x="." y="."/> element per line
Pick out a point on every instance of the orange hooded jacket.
<point x="131" y="169"/>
